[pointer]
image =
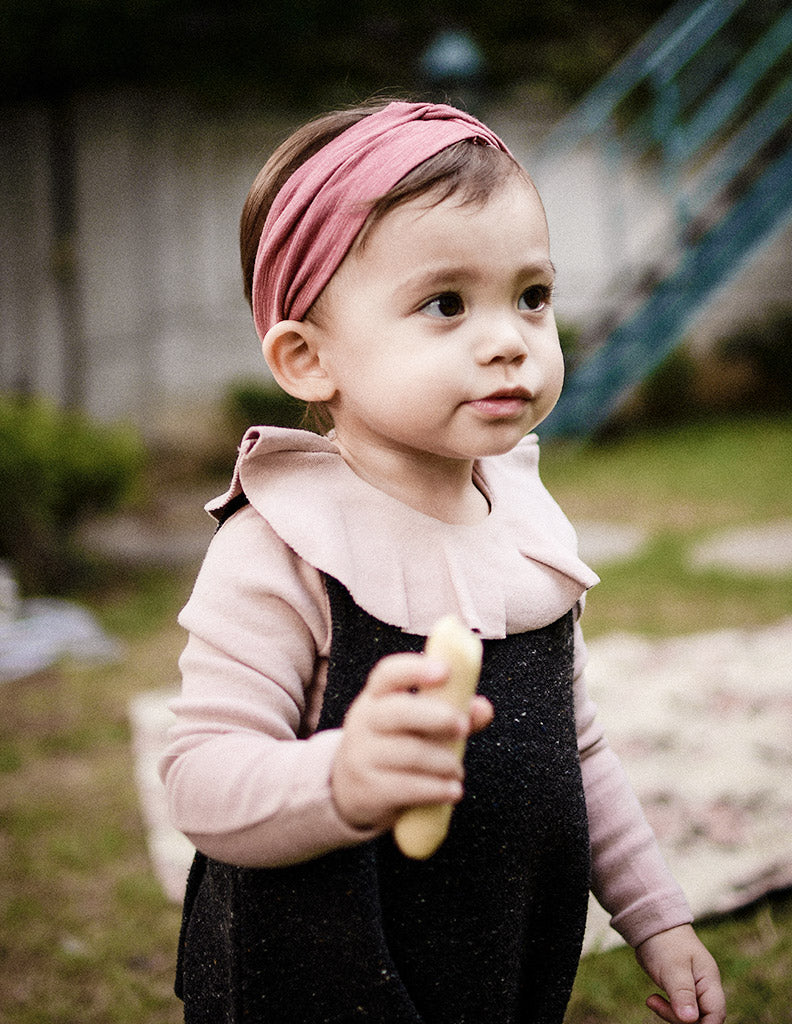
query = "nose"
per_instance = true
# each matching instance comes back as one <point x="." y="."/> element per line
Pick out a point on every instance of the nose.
<point x="501" y="340"/>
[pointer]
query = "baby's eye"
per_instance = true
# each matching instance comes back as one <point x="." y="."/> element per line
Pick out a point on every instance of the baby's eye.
<point x="446" y="305"/>
<point x="535" y="298"/>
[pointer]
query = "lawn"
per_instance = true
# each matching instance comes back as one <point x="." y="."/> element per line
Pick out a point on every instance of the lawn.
<point x="681" y="486"/>
<point x="85" y="932"/>
<point x="87" y="936"/>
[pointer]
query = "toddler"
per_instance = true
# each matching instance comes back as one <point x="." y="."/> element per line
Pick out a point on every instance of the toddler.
<point x="397" y="262"/>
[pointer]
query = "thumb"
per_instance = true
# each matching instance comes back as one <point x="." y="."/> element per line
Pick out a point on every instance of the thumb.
<point x="680" y="985"/>
<point x="683" y="994"/>
<point x="663" y="1009"/>
<point x="685" y="1005"/>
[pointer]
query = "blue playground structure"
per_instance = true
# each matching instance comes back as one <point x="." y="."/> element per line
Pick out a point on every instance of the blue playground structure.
<point x="706" y="98"/>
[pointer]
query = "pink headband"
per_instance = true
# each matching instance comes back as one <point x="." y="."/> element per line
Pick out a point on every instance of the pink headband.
<point x="318" y="213"/>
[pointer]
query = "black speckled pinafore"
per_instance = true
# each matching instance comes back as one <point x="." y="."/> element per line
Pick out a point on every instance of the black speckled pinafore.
<point x="487" y="931"/>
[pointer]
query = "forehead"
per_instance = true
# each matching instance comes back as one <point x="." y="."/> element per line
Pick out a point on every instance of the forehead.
<point x="509" y="221"/>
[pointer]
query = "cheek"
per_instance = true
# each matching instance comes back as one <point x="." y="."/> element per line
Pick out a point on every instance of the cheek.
<point x="559" y="365"/>
<point x="553" y="356"/>
<point x="554" y="372"/>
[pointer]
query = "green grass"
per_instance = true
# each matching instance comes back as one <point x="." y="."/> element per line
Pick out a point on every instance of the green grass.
<point x="729" y="472"/>
<point x="681" y="486"/>
<point x="86" y="936"/>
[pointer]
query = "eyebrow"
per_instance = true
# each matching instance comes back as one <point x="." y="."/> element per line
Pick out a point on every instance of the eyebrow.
<point x="438" y="276"/>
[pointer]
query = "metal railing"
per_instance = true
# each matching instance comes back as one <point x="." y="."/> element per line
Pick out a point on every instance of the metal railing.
<point x="706" y="99"/>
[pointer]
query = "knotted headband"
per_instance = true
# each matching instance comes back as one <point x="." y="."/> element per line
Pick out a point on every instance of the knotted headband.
<point x="318" y="213"/>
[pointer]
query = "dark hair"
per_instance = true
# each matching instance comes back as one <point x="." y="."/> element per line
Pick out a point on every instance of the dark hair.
<point x="469" y="168"/>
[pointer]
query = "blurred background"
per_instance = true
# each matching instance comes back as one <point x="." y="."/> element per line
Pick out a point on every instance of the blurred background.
<point x="132" y="131"/>
<point x="659" y="135"/>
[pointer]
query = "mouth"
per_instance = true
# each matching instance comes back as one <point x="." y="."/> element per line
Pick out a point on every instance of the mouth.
<point x="504" y="404"/>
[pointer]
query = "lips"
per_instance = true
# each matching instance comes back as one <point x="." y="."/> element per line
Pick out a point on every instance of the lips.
<point x="509" y="393"/>
<point x="506" y="403"/>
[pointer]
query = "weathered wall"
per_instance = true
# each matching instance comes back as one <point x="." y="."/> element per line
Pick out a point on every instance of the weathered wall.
<point x="159" y="189"/>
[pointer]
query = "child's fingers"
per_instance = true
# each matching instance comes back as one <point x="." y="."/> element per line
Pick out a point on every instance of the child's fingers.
<point x="405" y="672"/>
<point x="682" y="996"/>
<point x="682" y="1006"/>
<point x="433" y="717"/>
<point x="400" y="750"/>
<point x="481" y="713"/>
<point x="411" y="755"/>
<point x="711" y="1009"/>
<point x="677" y="961"/>
<point x="416" y="673"/>
<point x="395" y="791"/>
<point x="429" y="717"/>
<point x="390" y="694"/>
<point x="712" y="1003"/>
<point x="373" y="780"/>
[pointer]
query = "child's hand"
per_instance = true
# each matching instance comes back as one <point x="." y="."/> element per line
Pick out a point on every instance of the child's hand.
<point x="678" y="962"/>
<point x="394" y="751"/>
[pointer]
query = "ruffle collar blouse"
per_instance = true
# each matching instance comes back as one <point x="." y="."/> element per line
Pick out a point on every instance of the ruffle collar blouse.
<point x="516" y="570"/>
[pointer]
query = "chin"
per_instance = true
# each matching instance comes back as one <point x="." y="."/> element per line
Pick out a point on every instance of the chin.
<point x="498" y="447"/>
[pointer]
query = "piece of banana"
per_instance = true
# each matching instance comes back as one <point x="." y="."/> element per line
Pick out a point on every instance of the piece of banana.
<point x="420" y="830"/>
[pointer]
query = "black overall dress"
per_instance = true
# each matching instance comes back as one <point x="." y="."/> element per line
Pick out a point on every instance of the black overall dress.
<point x="487" y="931"/>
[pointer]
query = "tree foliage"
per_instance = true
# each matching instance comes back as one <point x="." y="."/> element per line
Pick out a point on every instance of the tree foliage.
<point x="300" y="48"/>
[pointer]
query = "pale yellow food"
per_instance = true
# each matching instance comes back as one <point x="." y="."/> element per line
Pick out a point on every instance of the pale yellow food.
<point x="421" y="830"/>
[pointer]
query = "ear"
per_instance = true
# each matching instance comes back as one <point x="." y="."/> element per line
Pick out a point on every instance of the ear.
<point x="292" y="351"/>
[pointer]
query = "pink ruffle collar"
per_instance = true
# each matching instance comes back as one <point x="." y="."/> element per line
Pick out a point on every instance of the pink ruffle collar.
<point x="514" y="571"/>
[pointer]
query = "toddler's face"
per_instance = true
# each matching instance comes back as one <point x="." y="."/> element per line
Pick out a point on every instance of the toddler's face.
<point x="438" y="331"/>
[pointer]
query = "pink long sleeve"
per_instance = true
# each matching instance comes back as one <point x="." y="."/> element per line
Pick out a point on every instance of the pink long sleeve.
<point x="244" y="780"/>
<point x="630" y="878"/>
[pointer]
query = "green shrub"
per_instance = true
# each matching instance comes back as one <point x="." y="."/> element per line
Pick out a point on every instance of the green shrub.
<point x="767" y="348"/>
<point x="56" y="468"/>
<point x="569" y="337"/>
<point x="261" y="403"/>
<point x="667" y="395"/>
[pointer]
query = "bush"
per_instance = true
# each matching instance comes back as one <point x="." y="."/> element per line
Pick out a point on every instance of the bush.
<point x="251" y="403"/>
<point x="569" y="337"/>
<point x="667" y="396"/>
<point x="767" y="349"/>
<point x="56" y="468"/>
